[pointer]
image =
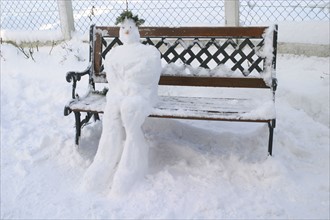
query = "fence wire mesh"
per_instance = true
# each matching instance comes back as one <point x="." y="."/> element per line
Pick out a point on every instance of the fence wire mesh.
<point x="29" y="15"/>
<point x="155" y="12"/>
<point x="44" y="15"/>
<point x="256" y="12"/>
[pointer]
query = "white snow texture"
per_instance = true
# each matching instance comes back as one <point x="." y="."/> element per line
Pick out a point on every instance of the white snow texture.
<point x="133" y="72"/>
<point x="197" y="169"/>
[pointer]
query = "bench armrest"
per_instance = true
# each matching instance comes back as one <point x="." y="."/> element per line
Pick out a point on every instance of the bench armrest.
<point x="73" y="77"/>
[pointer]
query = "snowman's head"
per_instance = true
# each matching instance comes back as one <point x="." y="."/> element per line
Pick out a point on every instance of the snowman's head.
<point x="129" y="33"/>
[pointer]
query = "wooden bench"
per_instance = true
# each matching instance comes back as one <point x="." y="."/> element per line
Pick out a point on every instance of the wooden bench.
<point x="221" y="57"/>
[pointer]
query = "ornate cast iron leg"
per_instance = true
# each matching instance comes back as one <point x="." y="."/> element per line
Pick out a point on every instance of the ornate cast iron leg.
<point x="78" y="126"/>
<point x="271" y="126"/>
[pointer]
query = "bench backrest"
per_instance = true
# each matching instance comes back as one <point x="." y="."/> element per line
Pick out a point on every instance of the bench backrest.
<point x="247" y="51"/>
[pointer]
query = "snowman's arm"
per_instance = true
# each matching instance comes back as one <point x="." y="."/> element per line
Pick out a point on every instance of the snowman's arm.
<point x="145" y="72"/>
<point x="114" y="72"/>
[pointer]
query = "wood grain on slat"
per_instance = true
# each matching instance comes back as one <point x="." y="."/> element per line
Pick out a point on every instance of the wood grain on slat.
<point x="97" y="53"/>
<point x="251" y="32"/>
<point x="213" y="81"/>
<point x="204" y="108"/>
<point x="204" y="81"/>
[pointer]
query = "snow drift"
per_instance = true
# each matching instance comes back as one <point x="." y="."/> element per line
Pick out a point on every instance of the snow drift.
<point x="197" y="169"/>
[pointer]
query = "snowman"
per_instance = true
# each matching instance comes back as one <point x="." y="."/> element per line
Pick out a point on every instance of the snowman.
<point x="133" y="72"/>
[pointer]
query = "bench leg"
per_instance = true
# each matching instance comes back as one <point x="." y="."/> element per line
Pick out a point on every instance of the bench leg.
<point x="86" y="119"/>
<point x="78" y="127"/>
<point x="271" y="126"/>
<point x="80" y="123"/>
<point x="96" y="117"/>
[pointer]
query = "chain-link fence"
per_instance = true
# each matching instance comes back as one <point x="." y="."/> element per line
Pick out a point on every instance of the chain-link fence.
<point x="155" y="12"/>
<point x="256" y="12"/>
<point x="44" y="15"/>
<point x="29" y="14"/>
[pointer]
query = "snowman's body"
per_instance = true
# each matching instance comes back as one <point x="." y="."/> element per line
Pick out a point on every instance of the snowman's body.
<point x="133" y="72"/>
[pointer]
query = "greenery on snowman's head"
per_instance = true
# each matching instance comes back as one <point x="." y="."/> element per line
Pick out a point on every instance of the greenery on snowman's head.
<point x="129" y="15"/>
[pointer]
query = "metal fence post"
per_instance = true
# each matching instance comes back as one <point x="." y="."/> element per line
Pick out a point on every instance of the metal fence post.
<point x="66" y="17"/>
<point x="232" y="12"/>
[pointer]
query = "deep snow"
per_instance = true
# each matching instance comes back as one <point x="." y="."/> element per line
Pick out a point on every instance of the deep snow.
<point x="197" y="169"/>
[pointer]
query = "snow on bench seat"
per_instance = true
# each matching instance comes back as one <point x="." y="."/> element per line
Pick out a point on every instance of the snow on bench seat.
<point x="214" y="108"/>
<point x="236" y="108"/>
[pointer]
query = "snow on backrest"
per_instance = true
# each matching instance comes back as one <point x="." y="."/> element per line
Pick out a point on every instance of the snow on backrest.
<point x="201" y="51"/>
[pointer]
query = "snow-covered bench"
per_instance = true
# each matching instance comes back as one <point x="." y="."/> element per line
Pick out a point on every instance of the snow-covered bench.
<point x="243" y="58"/>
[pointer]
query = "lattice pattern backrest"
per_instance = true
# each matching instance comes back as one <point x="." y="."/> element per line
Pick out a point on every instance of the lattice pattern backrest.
<point x="209" y="53"/>
<point x="239" y="49"/>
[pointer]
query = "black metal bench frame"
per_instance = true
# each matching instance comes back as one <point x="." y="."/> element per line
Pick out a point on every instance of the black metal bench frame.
<point x="174" y="40"/>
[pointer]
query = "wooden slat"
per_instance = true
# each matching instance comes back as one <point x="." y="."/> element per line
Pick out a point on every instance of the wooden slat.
<point x="188" y="117"/>
<point x="213" y="82"/>
<point x="97" y="53"/>
<point x="251" y="32"/>
<point x="208" y="119"/>
<point x="203" y="108"/>
<point x="203" y="81"/>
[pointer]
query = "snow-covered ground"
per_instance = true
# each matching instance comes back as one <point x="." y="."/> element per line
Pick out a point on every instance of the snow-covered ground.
<point x="198" y="169"/>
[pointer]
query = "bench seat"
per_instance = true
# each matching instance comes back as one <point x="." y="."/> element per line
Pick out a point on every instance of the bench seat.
<point x="235" y="108"/>
<point x="241" y="109"/>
